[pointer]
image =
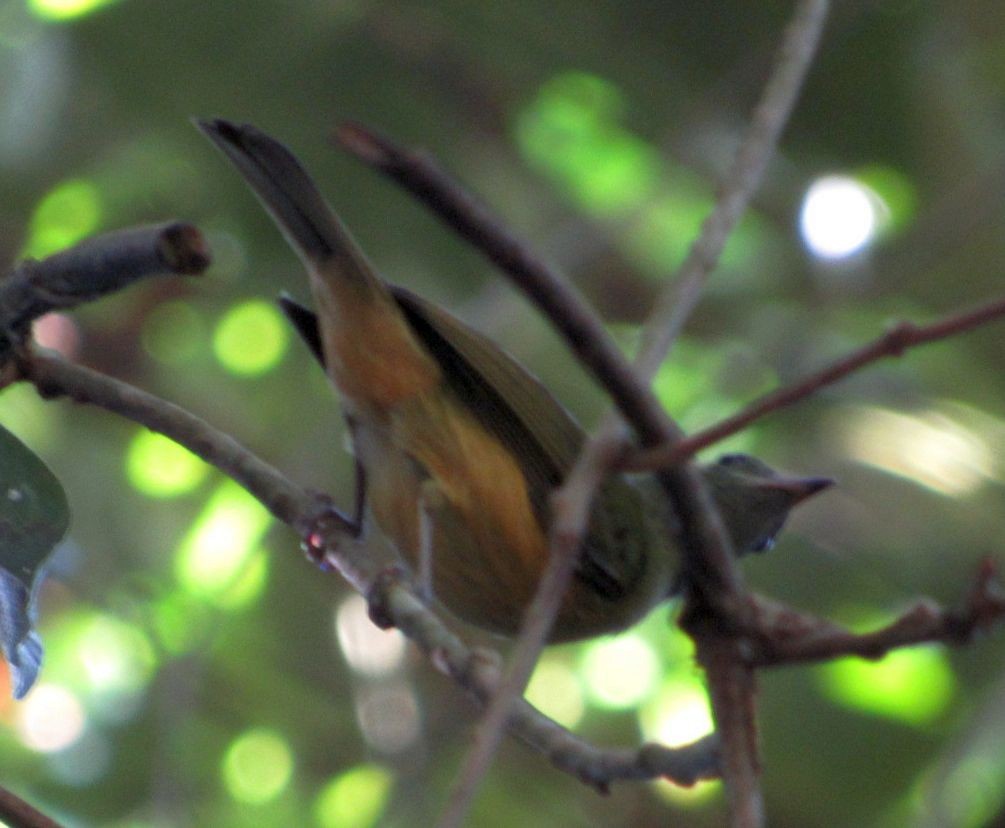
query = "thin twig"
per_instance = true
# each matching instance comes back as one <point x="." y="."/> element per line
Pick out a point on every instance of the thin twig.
<point x="784" y="636"/>
<point x="894" y="343"/>
<point x="95" y="267"/>
<point x="55" y="376"/>
<point x="17" y="813"/>
<point x="731" y="683"/>
<point x="676" y="304"/>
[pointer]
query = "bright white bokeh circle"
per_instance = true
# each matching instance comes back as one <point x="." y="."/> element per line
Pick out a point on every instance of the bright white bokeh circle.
<point x="839" y="217"/>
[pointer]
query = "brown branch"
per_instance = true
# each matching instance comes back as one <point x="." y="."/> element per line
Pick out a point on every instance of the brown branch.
<point x="770" y="116"/>
<point x="784" y="636"/>
<point x="894" y="343"/>
<point x="55" y="376"/>
<point x="312" y="517"/>
<point x="94" y="268"/>
<point x="478" y="671"/>
<point x="596" y="349"/>
<point x="17" y="813"/>
<point x="732" y="692"/>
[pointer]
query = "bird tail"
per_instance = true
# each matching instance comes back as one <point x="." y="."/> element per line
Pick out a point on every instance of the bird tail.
<point x="285" y="189"/>
<point x="370" y="351"/>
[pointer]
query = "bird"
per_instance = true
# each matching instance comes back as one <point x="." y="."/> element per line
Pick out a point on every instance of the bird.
<point x="458" y="447"/>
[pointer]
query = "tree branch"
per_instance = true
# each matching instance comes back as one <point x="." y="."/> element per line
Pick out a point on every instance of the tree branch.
<point x="55" y="376"/>
<point x="784" y="636"/>
<point x="676" y="304"/>
<point x="93" y="268"/>
<point x="894" y="343"/>
<point x="17" y="813"/>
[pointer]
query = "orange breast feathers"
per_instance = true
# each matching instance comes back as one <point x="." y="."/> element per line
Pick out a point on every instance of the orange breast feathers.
<point x="487" y="544"/>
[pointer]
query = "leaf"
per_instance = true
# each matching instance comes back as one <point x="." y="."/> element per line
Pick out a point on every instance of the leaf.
<point x="33" y="517"/>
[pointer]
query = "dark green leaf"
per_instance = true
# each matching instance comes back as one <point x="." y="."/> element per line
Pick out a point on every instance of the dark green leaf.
<point x="33" y="517"/>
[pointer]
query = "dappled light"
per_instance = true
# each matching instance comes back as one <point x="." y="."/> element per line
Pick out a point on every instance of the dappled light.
<point x="197" y="670"/>
<point x="257" y="766"/>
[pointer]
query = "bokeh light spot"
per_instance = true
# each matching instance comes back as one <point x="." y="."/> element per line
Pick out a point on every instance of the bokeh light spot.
<point x="676" y="715"/>
<point x="840" y="216"/>
<point x="889" y="688"/>
<point x="619" y="672"/>
<point x="354" y="799"/>
<point x="116" y="656"/>
<point x="368" y="649"/>
<point x="221" y="544"/>
<point x="250" y="338"/>
<point x="554" y="689"/>
<point x="159" y="467"/>
<point x="68" y="213"/>
<point x="50" y="718"/>
<point x="248" y="582"/>
<point x="388" y="716"/>
<point x="62" y="10"/>
<point x="571" y="131"/>
<point x="257" y="766"/>
<point x="929" y="448"/>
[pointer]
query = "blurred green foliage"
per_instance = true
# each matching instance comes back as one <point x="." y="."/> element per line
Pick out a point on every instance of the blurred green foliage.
<point x="200" y="672"/>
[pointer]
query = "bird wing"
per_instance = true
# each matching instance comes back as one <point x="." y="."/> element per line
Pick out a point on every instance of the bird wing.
<point x="516" y="408"/>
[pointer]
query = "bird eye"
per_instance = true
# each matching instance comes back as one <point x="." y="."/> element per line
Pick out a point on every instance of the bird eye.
<point x="731" y="459"/>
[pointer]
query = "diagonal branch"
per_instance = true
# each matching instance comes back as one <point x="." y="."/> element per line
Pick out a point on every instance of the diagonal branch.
<point x="677" y="303"/>
<point x="17" y="813"/>
<point x="55" y="376"/>
<point x="893" y="343"/>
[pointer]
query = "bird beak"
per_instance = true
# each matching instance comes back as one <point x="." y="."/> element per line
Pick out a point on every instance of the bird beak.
<point x="799" y="488"/>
